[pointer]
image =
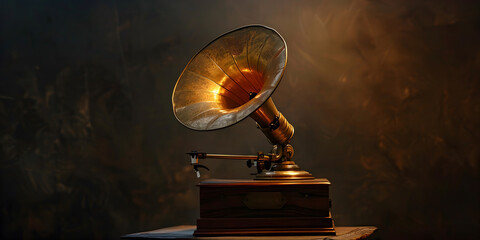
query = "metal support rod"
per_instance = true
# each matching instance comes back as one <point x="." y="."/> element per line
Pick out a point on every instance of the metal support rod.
<point x="237" y="157"/>
<point x="195" y="156"/>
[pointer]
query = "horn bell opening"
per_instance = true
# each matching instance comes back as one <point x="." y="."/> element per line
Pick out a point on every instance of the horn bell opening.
<point x="215" y="88"/>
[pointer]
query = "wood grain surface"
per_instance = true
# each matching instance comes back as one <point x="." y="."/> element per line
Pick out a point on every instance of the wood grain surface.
<point x="226" y="198"/>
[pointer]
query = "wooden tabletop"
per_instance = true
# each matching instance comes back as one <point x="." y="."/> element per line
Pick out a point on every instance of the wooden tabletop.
<point x="186" y="232"/>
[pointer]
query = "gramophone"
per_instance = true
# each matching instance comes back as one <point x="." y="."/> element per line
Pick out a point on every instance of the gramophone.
<point x="231" y="78"/>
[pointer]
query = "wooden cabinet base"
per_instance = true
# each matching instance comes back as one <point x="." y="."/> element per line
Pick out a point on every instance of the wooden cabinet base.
<point x="253" y="207"/>
<point x="264" y="226"/>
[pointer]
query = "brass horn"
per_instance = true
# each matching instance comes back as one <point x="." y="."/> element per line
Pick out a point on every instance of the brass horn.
<point x="231" y="78"/>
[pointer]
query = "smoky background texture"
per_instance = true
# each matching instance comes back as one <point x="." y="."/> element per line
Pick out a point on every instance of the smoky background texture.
<point x="384" y="97"/>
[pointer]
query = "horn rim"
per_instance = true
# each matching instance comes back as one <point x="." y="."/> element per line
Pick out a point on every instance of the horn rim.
<point x="262" y="98"/>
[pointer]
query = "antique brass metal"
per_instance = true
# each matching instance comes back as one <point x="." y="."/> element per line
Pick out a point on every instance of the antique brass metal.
<point x="232" y="78"/>
<point x="284" y="170"/>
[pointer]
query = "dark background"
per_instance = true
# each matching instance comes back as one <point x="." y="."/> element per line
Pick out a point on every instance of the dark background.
<point x="384" y="97"/>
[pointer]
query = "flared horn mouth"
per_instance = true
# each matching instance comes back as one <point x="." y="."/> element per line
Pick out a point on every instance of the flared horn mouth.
<point x="230" y="78"/>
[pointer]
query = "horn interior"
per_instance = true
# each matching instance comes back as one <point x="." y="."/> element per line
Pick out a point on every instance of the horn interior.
<point x="215" y="88"/>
